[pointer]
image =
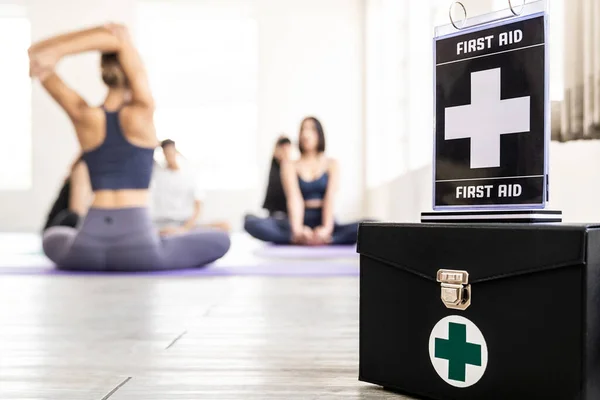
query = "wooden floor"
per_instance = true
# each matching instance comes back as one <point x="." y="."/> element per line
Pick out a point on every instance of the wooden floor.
<point x="125" y="338"/>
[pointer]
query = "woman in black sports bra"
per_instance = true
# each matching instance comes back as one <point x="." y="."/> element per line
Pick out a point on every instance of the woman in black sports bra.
<point x="310" y="185"/>
<point x="118" y="142"/>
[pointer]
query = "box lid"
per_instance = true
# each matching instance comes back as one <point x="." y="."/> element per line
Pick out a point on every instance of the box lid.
<point x="486" y="251"/>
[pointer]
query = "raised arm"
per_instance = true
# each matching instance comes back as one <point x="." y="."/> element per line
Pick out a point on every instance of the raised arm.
<point x="100" y="39"/>
<point x="45" y="55"/>
<point x="295" y="202"/>
<point x="134" y="69"/>
<point x="70" y="101"/>
<point x="110" y="38"/>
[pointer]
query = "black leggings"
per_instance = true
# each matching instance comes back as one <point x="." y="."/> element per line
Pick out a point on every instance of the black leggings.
<point x="278" y="230"/>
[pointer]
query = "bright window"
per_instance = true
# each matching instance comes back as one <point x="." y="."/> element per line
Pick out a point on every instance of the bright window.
<point x="15" y="99"/>
<point x="202" y="61"/>
<point x="386" y="97"/>
<point x="399" y="88"/>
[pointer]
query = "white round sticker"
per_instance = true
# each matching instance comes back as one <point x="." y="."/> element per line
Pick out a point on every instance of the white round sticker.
<point x="458" y="351"/>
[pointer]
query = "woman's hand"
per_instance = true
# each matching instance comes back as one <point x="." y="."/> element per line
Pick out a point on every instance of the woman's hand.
<point x="322" y="235"/>
<point x="172" y="230"/>
<point x="303" y="236"/>
<point x="120" y="31"/>
<point x="42" y="64"/>
<point x="39" y="73"/>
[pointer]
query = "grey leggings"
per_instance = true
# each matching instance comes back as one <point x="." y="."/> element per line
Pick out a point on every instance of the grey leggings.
<point x="126" y="240"/>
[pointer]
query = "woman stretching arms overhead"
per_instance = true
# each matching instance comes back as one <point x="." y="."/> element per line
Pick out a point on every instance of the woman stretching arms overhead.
<point x="118" y="142"/>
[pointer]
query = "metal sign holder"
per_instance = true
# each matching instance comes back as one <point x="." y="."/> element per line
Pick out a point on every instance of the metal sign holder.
<point x="492" y="209"/>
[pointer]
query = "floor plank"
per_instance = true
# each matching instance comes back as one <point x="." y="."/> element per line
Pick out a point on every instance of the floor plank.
<point x="81" y="337"/>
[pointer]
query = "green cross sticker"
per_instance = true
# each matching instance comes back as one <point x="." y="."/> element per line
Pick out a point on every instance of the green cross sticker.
<point x="458" y="351"/>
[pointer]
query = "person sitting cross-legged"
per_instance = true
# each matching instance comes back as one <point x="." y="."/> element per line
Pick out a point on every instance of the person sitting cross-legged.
<point x="176" y="197"/>
<point x="310" y="185"/>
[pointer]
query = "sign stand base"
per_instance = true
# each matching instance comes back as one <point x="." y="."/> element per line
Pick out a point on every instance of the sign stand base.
<point x="488" y="216"/>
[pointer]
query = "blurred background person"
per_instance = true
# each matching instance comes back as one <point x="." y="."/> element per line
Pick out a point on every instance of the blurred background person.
<point x="74" y="197"/>
<point x="176" y="195"/>
<point x="275" y="201"/>
<point x="310" y="185"/>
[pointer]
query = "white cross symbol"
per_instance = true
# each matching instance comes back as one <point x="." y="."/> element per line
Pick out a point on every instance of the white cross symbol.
<point x="487" y="118"/>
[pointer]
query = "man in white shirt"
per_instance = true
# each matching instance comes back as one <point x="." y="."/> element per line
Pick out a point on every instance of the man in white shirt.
<point x="176" y="195"/>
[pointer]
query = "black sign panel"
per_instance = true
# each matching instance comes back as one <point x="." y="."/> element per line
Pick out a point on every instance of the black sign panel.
<point x="491" y="109"/>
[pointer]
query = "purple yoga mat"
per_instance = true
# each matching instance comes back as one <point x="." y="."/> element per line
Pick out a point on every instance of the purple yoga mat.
<point x="310" y="269"/>
<point x="306" y="252"/>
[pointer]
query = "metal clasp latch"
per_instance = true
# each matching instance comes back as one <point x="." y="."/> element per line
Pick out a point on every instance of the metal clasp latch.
<point x="456" y="291"/>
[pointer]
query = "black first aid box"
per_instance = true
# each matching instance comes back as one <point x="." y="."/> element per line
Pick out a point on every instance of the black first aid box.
<point x="483" y="311"/>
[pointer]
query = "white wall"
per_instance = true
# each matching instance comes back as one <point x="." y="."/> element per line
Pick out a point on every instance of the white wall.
<point x="311" y="56"/>
<point x="575" y="180"/>
<point x="310" y="63"/>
